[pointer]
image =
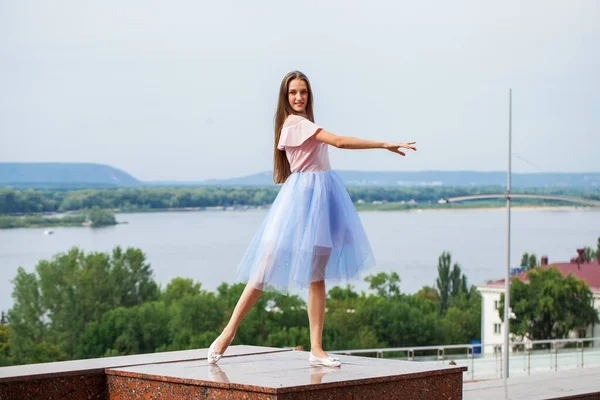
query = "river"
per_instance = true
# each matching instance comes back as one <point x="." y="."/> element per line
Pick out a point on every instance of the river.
<point x="207" y="245"/>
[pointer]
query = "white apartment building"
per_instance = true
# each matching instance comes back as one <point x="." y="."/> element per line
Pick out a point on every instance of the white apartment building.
<point x="492" y="329"/>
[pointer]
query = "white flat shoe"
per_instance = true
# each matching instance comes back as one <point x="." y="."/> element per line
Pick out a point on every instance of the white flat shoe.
<point x="326" y="362"/>
<point x="214" y="357"/>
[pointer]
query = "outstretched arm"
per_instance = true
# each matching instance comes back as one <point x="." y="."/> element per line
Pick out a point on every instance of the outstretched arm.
<point x="353" y="143"/>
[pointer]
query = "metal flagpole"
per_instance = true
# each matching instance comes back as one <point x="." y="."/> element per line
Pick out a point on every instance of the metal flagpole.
<point x="507" y="272"/>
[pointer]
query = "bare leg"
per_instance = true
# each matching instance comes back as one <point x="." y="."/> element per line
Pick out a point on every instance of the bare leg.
<point x="245" y="303"/>
<point x="316" y="301"/>
<point x="316" y="317"/>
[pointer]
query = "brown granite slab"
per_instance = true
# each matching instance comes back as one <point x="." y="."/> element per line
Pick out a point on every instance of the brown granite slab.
<point x="446" y="387"/>
<point x="577" y="383"/>
<point x="246" y="372"/>
<point x="80" y="387"/>
<point x="288" y="375"/>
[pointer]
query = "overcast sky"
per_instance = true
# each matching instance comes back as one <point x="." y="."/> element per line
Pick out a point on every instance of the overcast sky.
<point x="186" y="90"/>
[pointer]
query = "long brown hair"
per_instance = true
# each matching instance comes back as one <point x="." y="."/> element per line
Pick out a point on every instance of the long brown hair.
<point x="281" y="166"/>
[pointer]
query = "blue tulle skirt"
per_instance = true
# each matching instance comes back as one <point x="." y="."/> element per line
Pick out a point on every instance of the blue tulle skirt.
<point x="312" y="232"/>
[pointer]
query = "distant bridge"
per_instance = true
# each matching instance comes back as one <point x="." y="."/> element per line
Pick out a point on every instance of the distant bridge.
<point x="593" y="203"/>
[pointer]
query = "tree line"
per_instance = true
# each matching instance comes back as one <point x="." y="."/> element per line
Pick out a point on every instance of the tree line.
<point x="26" y="201"/>
<point x="93" y="217"/>
<point x="86" y="305"/>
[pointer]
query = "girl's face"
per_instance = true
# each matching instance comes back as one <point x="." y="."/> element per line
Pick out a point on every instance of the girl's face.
<point x="298" y="95"/>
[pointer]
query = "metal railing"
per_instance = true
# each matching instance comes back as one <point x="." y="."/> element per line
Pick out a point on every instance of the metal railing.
<point x="526" y="357"/>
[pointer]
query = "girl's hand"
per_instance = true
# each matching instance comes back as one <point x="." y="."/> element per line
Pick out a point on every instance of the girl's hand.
<point x="395" y="147"/>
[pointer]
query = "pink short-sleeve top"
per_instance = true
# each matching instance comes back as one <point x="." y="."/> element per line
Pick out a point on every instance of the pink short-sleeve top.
<point x="303" y="151"/>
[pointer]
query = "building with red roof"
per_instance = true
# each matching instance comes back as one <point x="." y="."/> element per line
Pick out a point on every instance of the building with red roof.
<point x="491" y="323"/>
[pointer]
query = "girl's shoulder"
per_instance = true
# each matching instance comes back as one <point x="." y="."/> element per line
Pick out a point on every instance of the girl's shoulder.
<point x="295" y="131"/>
<point x="293" y="119"/>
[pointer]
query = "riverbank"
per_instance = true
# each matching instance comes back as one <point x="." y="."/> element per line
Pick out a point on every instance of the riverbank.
<point x="70" y="219"/>
<point x="389" y="206"/>
<point x="39" y="221"/>
<point x="34" y="221"/>
<point x="94" y="217"/>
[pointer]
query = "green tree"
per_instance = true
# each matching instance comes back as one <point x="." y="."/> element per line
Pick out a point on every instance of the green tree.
<point x="54" y="304"/>
<point x="550" y="306"/>
<point x="533" y="262"/>
<point x="462" y="321"/>
<point x="123" y="331"/>
<point x="385" y="285"/>
<point x="589" y="254"/>
<point x="26" y="317"/>
<point x="179" y="288"/>
<point x="197" y="320"/>
<point x="524" y="260"/>
<point x="450" y="282"/>
<point x="444" y="282"/>
<point x="458" y="282"/>
<point x="5" y="354"/>
<point x="399" y="322"/>
<point x="30" y="201"/>
<point x="427" y="293"/>
<point x="100" y="217"/>
<point x="338" y="293"/>
<point x="528" y="261"/>
<point x="290" y="337"/>
<point x="365" y="338"/>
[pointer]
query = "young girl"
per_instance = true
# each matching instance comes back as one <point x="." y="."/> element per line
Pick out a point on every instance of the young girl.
<point x="312" y="232"/>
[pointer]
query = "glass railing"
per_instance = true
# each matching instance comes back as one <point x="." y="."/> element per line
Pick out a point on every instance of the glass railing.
<point x="485" y="362"/>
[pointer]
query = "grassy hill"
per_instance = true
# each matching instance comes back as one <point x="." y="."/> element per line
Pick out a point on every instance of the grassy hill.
<point x="585" y="180"/>
<point x="63" y="175"/>
<point x="88" y="175"/>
